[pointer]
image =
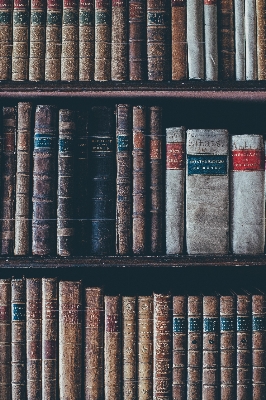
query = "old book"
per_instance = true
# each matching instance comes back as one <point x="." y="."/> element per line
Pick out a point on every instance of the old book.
<point x="251" y="40"/>
<point x="44" y="181"/>
<point x="194" y="350"/>
<point x="8" y="180"/>
<point x="18" y="339"/>
<point x="139" y="180"/>
<point x="137" y="60"/>
<point x="102" y="40"/>
<point x="261" y="38"/>
<point x="119" y="40"/>
<point x="49" y="338"/>
<point x="179" y="39"/>
<point x="240" y="54"/>
<point x="65" y="189"/>
<point x="34" y="338"/>
<point x="37" y="40"/>
<point x="162" y="346"/>
<point x="23" y="177"/>
<point x="207" y="187"/>
<point x="247" y="230"/>
<point x="145" y="347"/>
<point x="6" y="40"/>
<point x="94" y="344"/>
<point x="211" y="40"/>
<point x="158" y="40"/>
<point x="86" y="40"/>
<point x="53" y="40"/>
<point x="5" y="339"/>
<point x="226" y="37"/>
<point x="123" y="179"/>
<point x="175" y="190"/>
<point x="102" y="182"/>
<point x="195" y="42"/>
<point x="70" y="38"/>
<point x="20" y="52"/>
<point x="179" y="377"/>
<point x="70" y="340"/>
<point x="112" y="348"/>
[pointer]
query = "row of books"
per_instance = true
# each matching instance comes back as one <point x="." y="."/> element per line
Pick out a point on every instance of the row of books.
<point x="59" y="334"/>
<point x="120" y="40"/>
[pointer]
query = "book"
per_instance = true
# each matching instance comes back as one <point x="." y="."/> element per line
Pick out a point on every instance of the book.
<point x="251" y="40"/>
<point x="226" y="43"/>
<point x="179" y="366"/>
<point x="5" y="339"/>
<point x="179" y="39"/>
<point x="70" y="37"/>
<point x="119" y="41"/>
<point x="86" y="40"/>
<point x="240" y="53"/>
<point x="261" y="38"/>
<point x="6" y="21"/>
<point x="211" y="40"/>
<point x="137" y="58"/>
<point x="53" y="40"/>
<point x="37" y="40"/>
<point x="20" y="51"/>
<point x="102" y="40"/>
<point x="195" y="45"/>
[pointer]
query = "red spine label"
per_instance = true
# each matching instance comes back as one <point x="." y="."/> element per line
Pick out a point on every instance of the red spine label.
<point x="136" y="11"/>
<point x="54" y="4"/>
<point x="88" y="4"/>
<point x="94" y="319"/>
<point x="210" y="2"/>
<point x="118" y="3"/>
<point x="247" y="160"/>
<point x="4" y="313"/>
<point x="112" y="323"/>
<point x="20" y="4"/>
<point x="70" y="3"/>
<point x="155" y="150"/>
<point x="37" y="4"/>
<point x="102" y="4"/>
<point x="179" y="3"/>
<point x="138" y="141"/>
<point x="5" y="4"/>
<point x="175" y="156"/>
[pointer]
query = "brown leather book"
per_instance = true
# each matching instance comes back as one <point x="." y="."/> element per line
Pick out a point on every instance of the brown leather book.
<point x="119" y="46"/>
<point x="53" y="40"/>
<point x="179" y="39"/>
<point x="261" y="38"/>
<point x="86" y="40"/>
<point x="70" y="38"/>
<point x="179" y="348"/>
<point x="20" y="52"/>
<point x="137" y="40"/>
<point x="102" y="40"/>
<point x="5" y="339"/>
<point x="6" y="39"/>
<point x="37" y="40"/>
<point x="226" y="37"/>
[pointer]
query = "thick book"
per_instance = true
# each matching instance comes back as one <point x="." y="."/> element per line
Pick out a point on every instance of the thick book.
<point x="195" y="43"/>
<point x="53" y="40"/>
<point x="179" y="39"/>
<point x="70" y="38"/>
<point x="251" y="40"/>
<point x="226" y="40"/>
<point x="5" y="339"/>
<point x="261" y="38"/>
<point x="137" y="54"/>
<point x="6" y="39"/>
<point x="175" y="190"/>
<point x="102" y="40"/>
<point x="37" y="40"/>
<point x="207" y="192"/>
<point x="179" y="366"/>
<point x="119" y="41"/>
<point x="247" y="180"/>
<point x="20" y="52"/>
<point x="240" y="54"/>
<point x="211" y="40"/>
<point x="86" y="40"/>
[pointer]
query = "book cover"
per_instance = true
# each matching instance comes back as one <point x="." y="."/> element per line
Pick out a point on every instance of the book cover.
<point x="37" y="40"/>
<point x="5" y="338"/>
<point x="179" y="39"/>
<point x="70" y="38"/>
<point x="240" y="51"/>
<point x="86" y="40"/>
<point x="6" y="40"/>
<point x="261" y="38"/>
<point x="137" y="62"/>
<point x="20" y="51"/>
<point x="251" y="40"/>
<point x="211" y="40"/>
<point x="102" y="40"/>
<point x="195" y="43"/>
<point x="53" y="40"/>
<point x="179" y="371"/>
<point x="226" y="40"/>
<point x="119" y="41"/>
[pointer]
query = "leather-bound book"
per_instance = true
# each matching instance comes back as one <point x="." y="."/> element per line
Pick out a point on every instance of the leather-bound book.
<point x="226" y="37"/>
<point x="70" y="39"/>
<point x="70" y="340"/>
<point x="195" y="41"/>
<point x="112" y="349"/>
<point x="247" y="180"/>
<point x="158" y="40"/>
<point x="23" y="177"/>
<point x="261" y="38"/>
<point x="53" y="40"/>
<point x="44" y="181"/>
<point x="6" y="40"/>
<point x="34" y="338"/>
<point x="65" y="189"/>
<point x="139" y="180"/>
<point x="129" y="347"/>
<point x="20" y="52"/>
<point x="211" y="41"/>
<point x="49" y="338"/>
<point x="94" y="344"/>
<point x="37" y="40"/>
<point x="119" y="47"/>
<point x="102" y="182"/>
<point x="5" y="339"/>
<point x="137" y="60"/>
<point x="123" y="179"/>
<point x="8" y="180"/>
<point x="194" y="351"/>
<point x="179" y="380"/>
<point x="162" y="346"/>
<point x="240" y="59"/>
<point x="86" y="40"/>
<point x="18" y="339"/>
<point x="251" y="40"/>
<point x="145" y="347"/>
<point x="179" y="39"/>
<point x="102" y="40"/>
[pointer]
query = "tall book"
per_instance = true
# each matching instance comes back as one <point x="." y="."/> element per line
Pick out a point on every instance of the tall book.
<point x="6" y="40"/>
<point x="211" y="40"/>
<point x="261" y="38"/>
<point x="247" y="180"/>
<point x="119" y="40"/>
<point x="37" y="40"/>
<point x="195" y="39"/>
<point x="137" y="40"/>
<point x="207" y="186"/>
<point x="5" y="339"/>
<point x="226" y="44"/>
<point x="53" y="40"/>
<point x="20" y="52"/>
<point x="251" y="40"/>
<point x="179" y="374"/>
<point x="102" y="40"/>
<point x="70" y="339"/>
<point x="179" y="39"/>
<point x="240" y="54"/>
<point x="174" y="190"/>
<point x="86" y="40"/>
<point x="70" y="38"/>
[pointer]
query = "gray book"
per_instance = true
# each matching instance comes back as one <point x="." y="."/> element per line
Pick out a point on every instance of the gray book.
<point x="195" y="39"/>
<point x="251" y="40"/>
<point x="211" y="45"/>
<point x="240" y="39"/>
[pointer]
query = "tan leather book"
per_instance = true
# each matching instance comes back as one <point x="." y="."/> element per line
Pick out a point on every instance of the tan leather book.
<point x="20" y="52"/>
<point x="37" y="40"/>
<point x="179" y="380"/>
<point x="6" y="40"/>
<point x="119" y="46"/>
<point x="70" y="38"/>
<point x="5" y="339"/>
<point x="137" y="40"/>
<point x="179" y="39"/>
<point x="102" y="40"/>
<point x="261" y="38"/>
<point x="53" y="40"/>
<point x="86" y="40"/>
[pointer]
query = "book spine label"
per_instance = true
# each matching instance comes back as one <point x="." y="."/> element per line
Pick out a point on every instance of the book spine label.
<point x="261" y="38"/>
<point x="70" y="38"/>
<point x="119" y="47"/>
<point x="179" y="348"/>
<point x="137" y="40"/>
<point x="20" y="52"/>
<point x="247" y="206"/>
<point x="251" y="40"/>
<point x="5" y="338"/>
<point x="226" y="40"/>
<point x="211" y="40"/>
<point x="258" y="346"/>
<point x="195" y="39"/>
<point x="53" y="40"/>
<point x="86" y="40"/>
<point x="102" y="40"/>
<point x="240" y="59"/>
<point x="37" y="40"/>
<point x="179" y="39"/>
<point x="6" y="40"/>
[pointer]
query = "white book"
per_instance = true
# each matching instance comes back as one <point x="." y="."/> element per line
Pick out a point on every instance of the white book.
<point x="211" y="44"/>
<point x="195" y="39"/>
<point x="240" y="39"/>
<point x="251" y="40"/>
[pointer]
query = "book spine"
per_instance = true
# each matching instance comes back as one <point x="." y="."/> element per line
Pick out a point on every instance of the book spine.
<point x="70" y="339"/>
<point x="158" y="40"/>
<point x="211" y="40"/>
<point x="94" y="344"/>
<point x="23" y="176"/>
<point x="139" y="180"/>
<point x="179" y="348"/>
<point x="20" y="52"/>
<point x="70" y="38"/>
<point x="162" y="347"/>
<point x="6" y="40"/>
<point x="18" y="339"/>
<point x="195" y="42"/>
<point x="145" y="347"/>
<point x="37" y="40"/>
<point x="49" y="338"/>
<point x="34" y="338"/>
<point x="194" y="351"/>
<point x="137" y="40"/>
<point x="44" y="181"/>
<point x="86" y="40"/>
<point x="179" y="39"/>
<point x="102" y="183"/>
<point x="119" y="39"/>
<point x="8" y="180"/>
<point x="227" y="347"/>
<point x="102" y="40"/>
<point x="112" y="348"/>
<point x="247" y="194"/>
<point x="261" y="38"/>
<point x="240" y="58"/>
<point x="5" y="339"/>
<point x="53" y="40"/>
<point x="258" y="347"/>
<point x="226" y="40"/>
<point x="207" y="167"/>
<point x="123" y="179"/>
<point x="251" y="40"/>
